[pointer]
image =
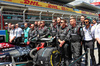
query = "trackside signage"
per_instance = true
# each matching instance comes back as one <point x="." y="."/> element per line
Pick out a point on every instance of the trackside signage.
<point x="45" y="5"/>
<point x="40" y="4"/>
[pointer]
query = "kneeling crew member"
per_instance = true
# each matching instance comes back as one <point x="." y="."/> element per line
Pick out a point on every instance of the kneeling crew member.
<point x="43" y="31"/>
<point x="32" y="35"/>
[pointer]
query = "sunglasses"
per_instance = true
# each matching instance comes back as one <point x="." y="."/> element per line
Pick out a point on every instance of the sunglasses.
<point x="86" y="21"/>
<point x="41" y="23"/>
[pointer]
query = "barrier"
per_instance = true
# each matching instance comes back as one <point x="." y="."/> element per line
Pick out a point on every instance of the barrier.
<point x="88" y="54"/>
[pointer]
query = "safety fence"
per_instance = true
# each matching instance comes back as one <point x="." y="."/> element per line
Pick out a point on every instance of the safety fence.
<point x="88" y="57"/>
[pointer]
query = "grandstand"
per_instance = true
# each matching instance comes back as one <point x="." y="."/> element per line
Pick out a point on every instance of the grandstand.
<point x="98" y="5"/>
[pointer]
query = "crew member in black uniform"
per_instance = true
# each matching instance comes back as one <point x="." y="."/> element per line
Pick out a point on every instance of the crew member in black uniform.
<point x="62" y="41"/>
<point x="82" y="25"/>
<point x="43" y="30"/>
<point x="82" y="20"/>
<point x="58" y="23"/>
<point x="32" y="35"/>
<point x="36" y="24"/>
<point x="39" y="24"/>
<point x="53" y="31"/>
<point x="75" y="34"/>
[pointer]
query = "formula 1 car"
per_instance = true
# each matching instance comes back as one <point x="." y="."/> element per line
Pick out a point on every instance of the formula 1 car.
<point x="18" y="52"/>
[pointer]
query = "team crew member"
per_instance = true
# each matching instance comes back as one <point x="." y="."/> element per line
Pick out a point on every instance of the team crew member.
<point x="43" y="31"/>
<point x="53" y="31"/>
<point x="82" y="20"/>
<point x="82" y="25"/>
<point x="18" y="34"/>
<point x="58" y="22"/>
<point x="97" y="37"/>
<point x="62" y="41"/>
<point x="39" y="24"/>
<point x="12" y="34"/>
<point x="26" y="30"/>
<point x="36" y="24"/>
<point x="32" y="35"/>
<point x="75" y="34"/>
<point x="88" y="40"/>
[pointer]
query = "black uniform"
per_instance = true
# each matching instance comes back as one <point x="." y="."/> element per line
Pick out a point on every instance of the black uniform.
<point x="36" y="27"/>
<point x="62" y="35"/>
<point x="82" y="45"/>
<point x="32" y="34"/>
<point x="58" y="27"/>
<point x="43" y="32"/>
<point x="69" y="44"/>
<point x="76" y="35"/>
<point x="53" y="32"/>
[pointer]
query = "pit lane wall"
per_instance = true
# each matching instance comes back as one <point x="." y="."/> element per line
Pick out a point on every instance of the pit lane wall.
<point x="52" y="6"/>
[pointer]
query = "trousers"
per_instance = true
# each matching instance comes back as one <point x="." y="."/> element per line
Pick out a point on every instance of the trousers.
<point x="76" y="51"/>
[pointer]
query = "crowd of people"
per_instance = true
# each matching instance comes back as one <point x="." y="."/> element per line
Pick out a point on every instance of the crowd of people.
<point x="69" y="39"/>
